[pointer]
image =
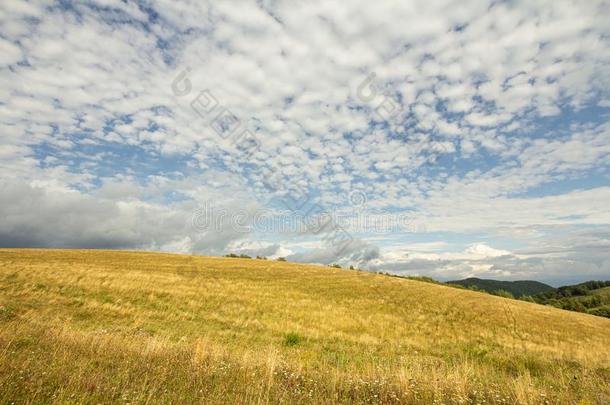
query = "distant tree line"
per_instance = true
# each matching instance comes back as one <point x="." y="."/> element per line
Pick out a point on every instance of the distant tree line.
<point x="243" y="256"/>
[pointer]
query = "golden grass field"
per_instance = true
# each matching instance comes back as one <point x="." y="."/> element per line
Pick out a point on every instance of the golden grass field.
<point x="125" y="327"/>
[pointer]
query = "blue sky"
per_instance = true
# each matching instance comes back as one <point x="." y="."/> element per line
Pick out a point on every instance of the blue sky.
<point x="442" y="138"/>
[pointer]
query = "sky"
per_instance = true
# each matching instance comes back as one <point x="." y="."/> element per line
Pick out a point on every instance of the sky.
<point x="434" y="137"/>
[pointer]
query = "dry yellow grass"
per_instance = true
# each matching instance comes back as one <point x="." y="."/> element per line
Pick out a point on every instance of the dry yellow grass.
<point x="105" y="326"/>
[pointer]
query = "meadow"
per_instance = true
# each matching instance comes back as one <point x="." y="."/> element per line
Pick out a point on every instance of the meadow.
<point x="82" y="326"/>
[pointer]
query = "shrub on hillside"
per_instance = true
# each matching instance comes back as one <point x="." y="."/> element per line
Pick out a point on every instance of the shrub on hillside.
<point x="503" y="293"/>
<point x="601" y="311"/>
<point x="425" y="279"/>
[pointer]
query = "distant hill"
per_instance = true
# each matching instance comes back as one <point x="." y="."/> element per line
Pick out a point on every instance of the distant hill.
<point x="516" y="288"/>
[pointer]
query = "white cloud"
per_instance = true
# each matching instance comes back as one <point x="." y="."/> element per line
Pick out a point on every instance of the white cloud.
<point x="9" y="53"/>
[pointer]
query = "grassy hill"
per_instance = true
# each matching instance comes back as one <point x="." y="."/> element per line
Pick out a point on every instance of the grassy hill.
<point x="123" y="327"/>
<point x="516" y="288"/>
